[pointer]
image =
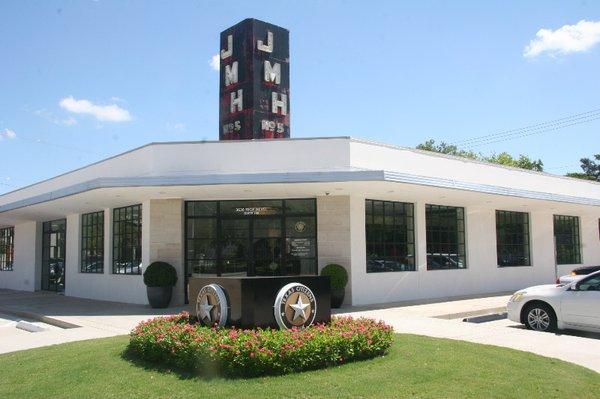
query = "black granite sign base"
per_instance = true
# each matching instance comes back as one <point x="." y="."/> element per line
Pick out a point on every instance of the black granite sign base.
<point x="251" y="299"/>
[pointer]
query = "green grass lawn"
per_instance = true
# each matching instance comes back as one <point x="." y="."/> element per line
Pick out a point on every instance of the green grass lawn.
<point x="415" y="367"/>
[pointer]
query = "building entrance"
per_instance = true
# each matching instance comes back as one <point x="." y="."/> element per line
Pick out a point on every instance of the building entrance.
<point x="53" y="255"/>
<point x="251" y="238"/>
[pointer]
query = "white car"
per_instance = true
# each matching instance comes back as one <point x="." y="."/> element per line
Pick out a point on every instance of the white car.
<point x="550" y="307"/>
<point x="577" y="274"/>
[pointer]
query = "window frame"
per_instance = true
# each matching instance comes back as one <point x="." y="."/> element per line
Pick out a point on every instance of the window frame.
<point x="559" y="258"/>
<point x="7" y="234"/>
<point x="117" y="242"/>
<point x="220" y="211"/>
<point x="458" y="233"/>
<point x="409" y="228"/>
<point x="85" y="260"/>
<point x="528" y="243"/>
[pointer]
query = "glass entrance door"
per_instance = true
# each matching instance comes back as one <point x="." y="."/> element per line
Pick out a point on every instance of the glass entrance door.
<point x="251" y="238"/>
<point x="251" y="246"/>
<point x="235" y="246"/>
<point x="267" y="244"/>
<point x="53" y="255"/>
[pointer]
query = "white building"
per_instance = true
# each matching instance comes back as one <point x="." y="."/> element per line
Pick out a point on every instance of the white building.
<point x="406" y="224"/>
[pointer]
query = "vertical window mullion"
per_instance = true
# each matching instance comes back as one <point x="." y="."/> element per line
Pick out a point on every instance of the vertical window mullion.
<point x="387" y="232"/>
<point x="445" y="230"/>
<point x="567" y="239"/>
<point x="92" y="242"/>
<point x="512" y="238"/>
<point x="127" y="231"/>
<point x="7" y="248"/>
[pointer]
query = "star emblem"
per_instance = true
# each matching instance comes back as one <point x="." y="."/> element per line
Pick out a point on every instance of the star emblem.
<point x="299" y="307"/>
<point x="205" y="309"/>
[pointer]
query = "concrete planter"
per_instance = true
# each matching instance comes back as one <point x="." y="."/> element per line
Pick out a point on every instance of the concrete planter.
<point x="159" y="297"/>
<point x="337" y="298"/>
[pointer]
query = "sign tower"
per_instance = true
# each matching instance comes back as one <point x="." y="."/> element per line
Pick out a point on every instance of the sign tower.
<point x="254" y="82"/>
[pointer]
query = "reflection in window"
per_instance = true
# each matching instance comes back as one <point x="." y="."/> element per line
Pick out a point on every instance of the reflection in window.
<point x="127" y="240"/>
<point x="390" y="236"/>
<point x="92" y="242"/>
<point x="255" y="237"/>
<point x="512" y="238"/>
<point x="566" y="236"/>
<point x="445" y="237"/>
<point x="589" y="284"/>
<point x="7" y="248"/>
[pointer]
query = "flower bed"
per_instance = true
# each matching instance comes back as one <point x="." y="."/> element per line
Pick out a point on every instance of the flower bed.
<point x="179" y="342"/>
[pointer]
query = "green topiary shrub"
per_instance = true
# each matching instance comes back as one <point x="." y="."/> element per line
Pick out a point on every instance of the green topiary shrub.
<point x="338" y="275"/>
<point x="182" y="343"/>
<point x="160" y="274"/>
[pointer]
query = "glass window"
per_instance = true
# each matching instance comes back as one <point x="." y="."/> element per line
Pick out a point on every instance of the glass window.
<point x="445" y="237"/>
<point x="390" y="236"/>
<point x="7" y="248"/>
<point x="254" y="237"/>
<point x="127" y="240"/>
<point x="566" y="237"/>
<point x="589" y="284"/>
<point x="512" y="238"/>
<point x="92" y="242"/>
<point x="300" y="207"/>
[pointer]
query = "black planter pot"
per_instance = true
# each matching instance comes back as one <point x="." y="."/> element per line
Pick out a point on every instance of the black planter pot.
<point x="159" y="297"/>
<point x="337" y="298"/>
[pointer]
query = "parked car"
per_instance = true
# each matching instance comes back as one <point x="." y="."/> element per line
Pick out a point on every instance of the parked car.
<point x="550" y="307"/>
<point x="577" y="274"/>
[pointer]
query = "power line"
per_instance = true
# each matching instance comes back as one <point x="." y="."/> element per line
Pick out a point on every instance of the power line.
<point x="531" y="133"/>
<point x="65" y="147"/>
<point x="571" y="120"/>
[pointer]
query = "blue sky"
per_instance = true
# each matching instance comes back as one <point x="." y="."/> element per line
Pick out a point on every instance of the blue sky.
<point x="83" y="80"/>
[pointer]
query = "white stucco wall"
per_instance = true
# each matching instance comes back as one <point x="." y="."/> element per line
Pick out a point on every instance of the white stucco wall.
<point x="368" y="155"/>
<point x="482" y="274"/>
<point x="341" y="229"/>
<point x="27" y="259"/>
<point x="102" y="286"/>
<point x="341" y="239"/>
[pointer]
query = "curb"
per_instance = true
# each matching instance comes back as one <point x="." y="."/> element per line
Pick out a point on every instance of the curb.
<point x="38" y="317"/>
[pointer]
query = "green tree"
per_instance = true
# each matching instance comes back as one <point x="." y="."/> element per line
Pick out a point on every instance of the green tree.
<point x="449" y="149"/>
<point x="504" y="158"/>
<point x="591" y="169"/>
<point x="523" y="162"/>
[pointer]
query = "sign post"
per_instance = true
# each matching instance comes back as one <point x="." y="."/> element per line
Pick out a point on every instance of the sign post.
<point x="254" y="82"/>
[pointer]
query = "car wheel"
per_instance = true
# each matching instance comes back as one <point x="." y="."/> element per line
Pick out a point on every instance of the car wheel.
<point x="540" y="317"/>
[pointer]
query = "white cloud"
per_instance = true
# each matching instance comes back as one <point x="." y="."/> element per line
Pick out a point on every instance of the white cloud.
<point x="50" y="117"/>
<point x="215" y="62"/>
<point x="564" y="40"/>
<point x="8" y="134"/>
<point x="104" y="113"/>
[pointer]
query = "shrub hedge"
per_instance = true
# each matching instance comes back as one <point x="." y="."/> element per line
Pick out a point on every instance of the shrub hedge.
<point x="338" y="275"/>
<point x="179" y="342"/>
<point x="160" y="274"/>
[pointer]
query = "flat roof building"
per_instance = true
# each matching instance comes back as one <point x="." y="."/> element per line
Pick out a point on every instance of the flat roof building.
<point x="406" y="224"/>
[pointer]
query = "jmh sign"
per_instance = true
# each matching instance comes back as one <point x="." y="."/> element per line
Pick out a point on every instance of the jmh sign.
<point x="254" y="82"/>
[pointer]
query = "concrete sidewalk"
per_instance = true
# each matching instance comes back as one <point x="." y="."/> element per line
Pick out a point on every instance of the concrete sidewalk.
<point x="432" y="320"/>
<point x="94" y="319"/>
<point x="98" y="319"/>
